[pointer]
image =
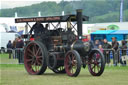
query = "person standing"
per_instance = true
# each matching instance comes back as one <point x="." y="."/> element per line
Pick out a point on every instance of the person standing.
<point x="115" y="46"/>
<point x="101" y="48"/>
<point x="124" y="50"/>
<point x="9" y="48"/>
<point x="90" y="41"/>
<point x="96" y="45"/>
<point x="106" y="46"/>
<point x="19" y="48"/>
<point x="14" y="48"/>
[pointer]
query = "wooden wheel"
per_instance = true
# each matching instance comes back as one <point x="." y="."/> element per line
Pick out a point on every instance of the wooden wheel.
<point x="72" y="63"/>
<point x="96" y="63"/>
<point x="35" y="58"/>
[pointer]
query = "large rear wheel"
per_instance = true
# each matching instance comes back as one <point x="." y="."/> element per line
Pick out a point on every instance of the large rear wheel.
<point x="35" y="58"/>
<point x="96" y="63"/>
<point x="72" y="63"/>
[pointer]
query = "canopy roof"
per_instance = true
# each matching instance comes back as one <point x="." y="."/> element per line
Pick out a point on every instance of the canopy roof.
<point x="103" y="32"/>
<point x="120" y="32"/>
<point x="64" y="18"/>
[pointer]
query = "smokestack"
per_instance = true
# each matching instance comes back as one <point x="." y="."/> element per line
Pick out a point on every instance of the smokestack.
<point x="79" y="23"/>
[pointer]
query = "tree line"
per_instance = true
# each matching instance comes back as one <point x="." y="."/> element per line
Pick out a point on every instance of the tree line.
<point x="97" y="10"/>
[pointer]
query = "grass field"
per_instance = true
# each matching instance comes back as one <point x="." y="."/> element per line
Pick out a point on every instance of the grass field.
<point x="14" y="74"/>
<point x="4" y="59"/>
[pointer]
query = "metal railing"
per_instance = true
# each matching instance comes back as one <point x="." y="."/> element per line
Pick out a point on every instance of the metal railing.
<point x="16" y="53"/>
<point x="115" y="57"/>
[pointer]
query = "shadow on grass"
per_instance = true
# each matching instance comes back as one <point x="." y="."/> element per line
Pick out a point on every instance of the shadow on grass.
<point x="60" y="75"/>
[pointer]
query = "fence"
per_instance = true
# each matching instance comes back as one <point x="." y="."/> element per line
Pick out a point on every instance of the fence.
<point x="12" y="54"/>
<point x="116" y="56"/>
<point x="112" y="57"/>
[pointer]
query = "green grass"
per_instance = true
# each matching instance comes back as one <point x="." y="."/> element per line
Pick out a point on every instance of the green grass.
<point x="4" y="59"/>
<point x="15" y="74"/>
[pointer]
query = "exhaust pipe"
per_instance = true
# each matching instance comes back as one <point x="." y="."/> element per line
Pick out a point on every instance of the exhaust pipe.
<point x="79" y="23"/>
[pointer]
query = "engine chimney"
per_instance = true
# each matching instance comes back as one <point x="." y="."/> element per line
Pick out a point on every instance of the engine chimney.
<point x="79" y="23"/>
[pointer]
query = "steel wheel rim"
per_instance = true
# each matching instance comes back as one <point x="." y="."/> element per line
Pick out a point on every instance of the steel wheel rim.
<point x="70" y="64"/>
<point x="33" y="59"/>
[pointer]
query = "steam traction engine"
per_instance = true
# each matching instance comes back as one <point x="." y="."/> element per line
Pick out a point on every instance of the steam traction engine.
<point x="61" y="50"/>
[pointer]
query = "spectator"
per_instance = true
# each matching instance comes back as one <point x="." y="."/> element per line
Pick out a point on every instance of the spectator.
<point x="123" y="57"/>
<point x="9" y="48"/>
<point x="101" y="49"/>
<point x="14" y="48"/>
<point x="90" y="41"/>
<point x="101" y="42"/>
<point x="96" y="45"/>
<point x="20" y="43"/>
<point x="19" y="46"/>
<point x="115" y="46"/>
<point x="106" y="46"/>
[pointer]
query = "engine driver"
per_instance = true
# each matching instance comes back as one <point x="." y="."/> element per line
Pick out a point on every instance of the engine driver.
<point x="38" y="29"/>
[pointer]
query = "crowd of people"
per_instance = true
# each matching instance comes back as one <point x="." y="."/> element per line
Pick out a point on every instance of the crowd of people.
<point x="113" y="47"/>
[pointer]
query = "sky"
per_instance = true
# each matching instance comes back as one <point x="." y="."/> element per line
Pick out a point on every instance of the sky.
<point x="18" y="3"/>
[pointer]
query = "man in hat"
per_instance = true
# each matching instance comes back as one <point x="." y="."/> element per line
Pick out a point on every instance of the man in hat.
<point x="38" y="28"/>
<point x="115" y="46"/>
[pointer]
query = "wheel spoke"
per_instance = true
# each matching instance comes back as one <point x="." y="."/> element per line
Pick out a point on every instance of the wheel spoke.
<point x="32" y="63"/>
<point x="73" y="57"/>
<point x="30" y="55"/>
<point x="29" y="60"/>
<point x="35" y="66"/>
<point x="39" y="62"/>
<point x="33" y="49"/>
<point x="37" y="52"/>
<point x="38" y="57"/>
<point x="69" y="58"/>
<point x="71" y="70"/>
<point x="98" y="67"/>
<point x="29" y="51"/>
<point x="94" y="68"/>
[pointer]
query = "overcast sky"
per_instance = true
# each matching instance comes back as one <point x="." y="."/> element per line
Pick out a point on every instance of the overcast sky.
<point x="17" y="3"/>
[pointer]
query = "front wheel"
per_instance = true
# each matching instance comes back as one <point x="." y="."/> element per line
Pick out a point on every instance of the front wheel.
<point x="96" y="63"/>
<point x="72" y="63"/>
